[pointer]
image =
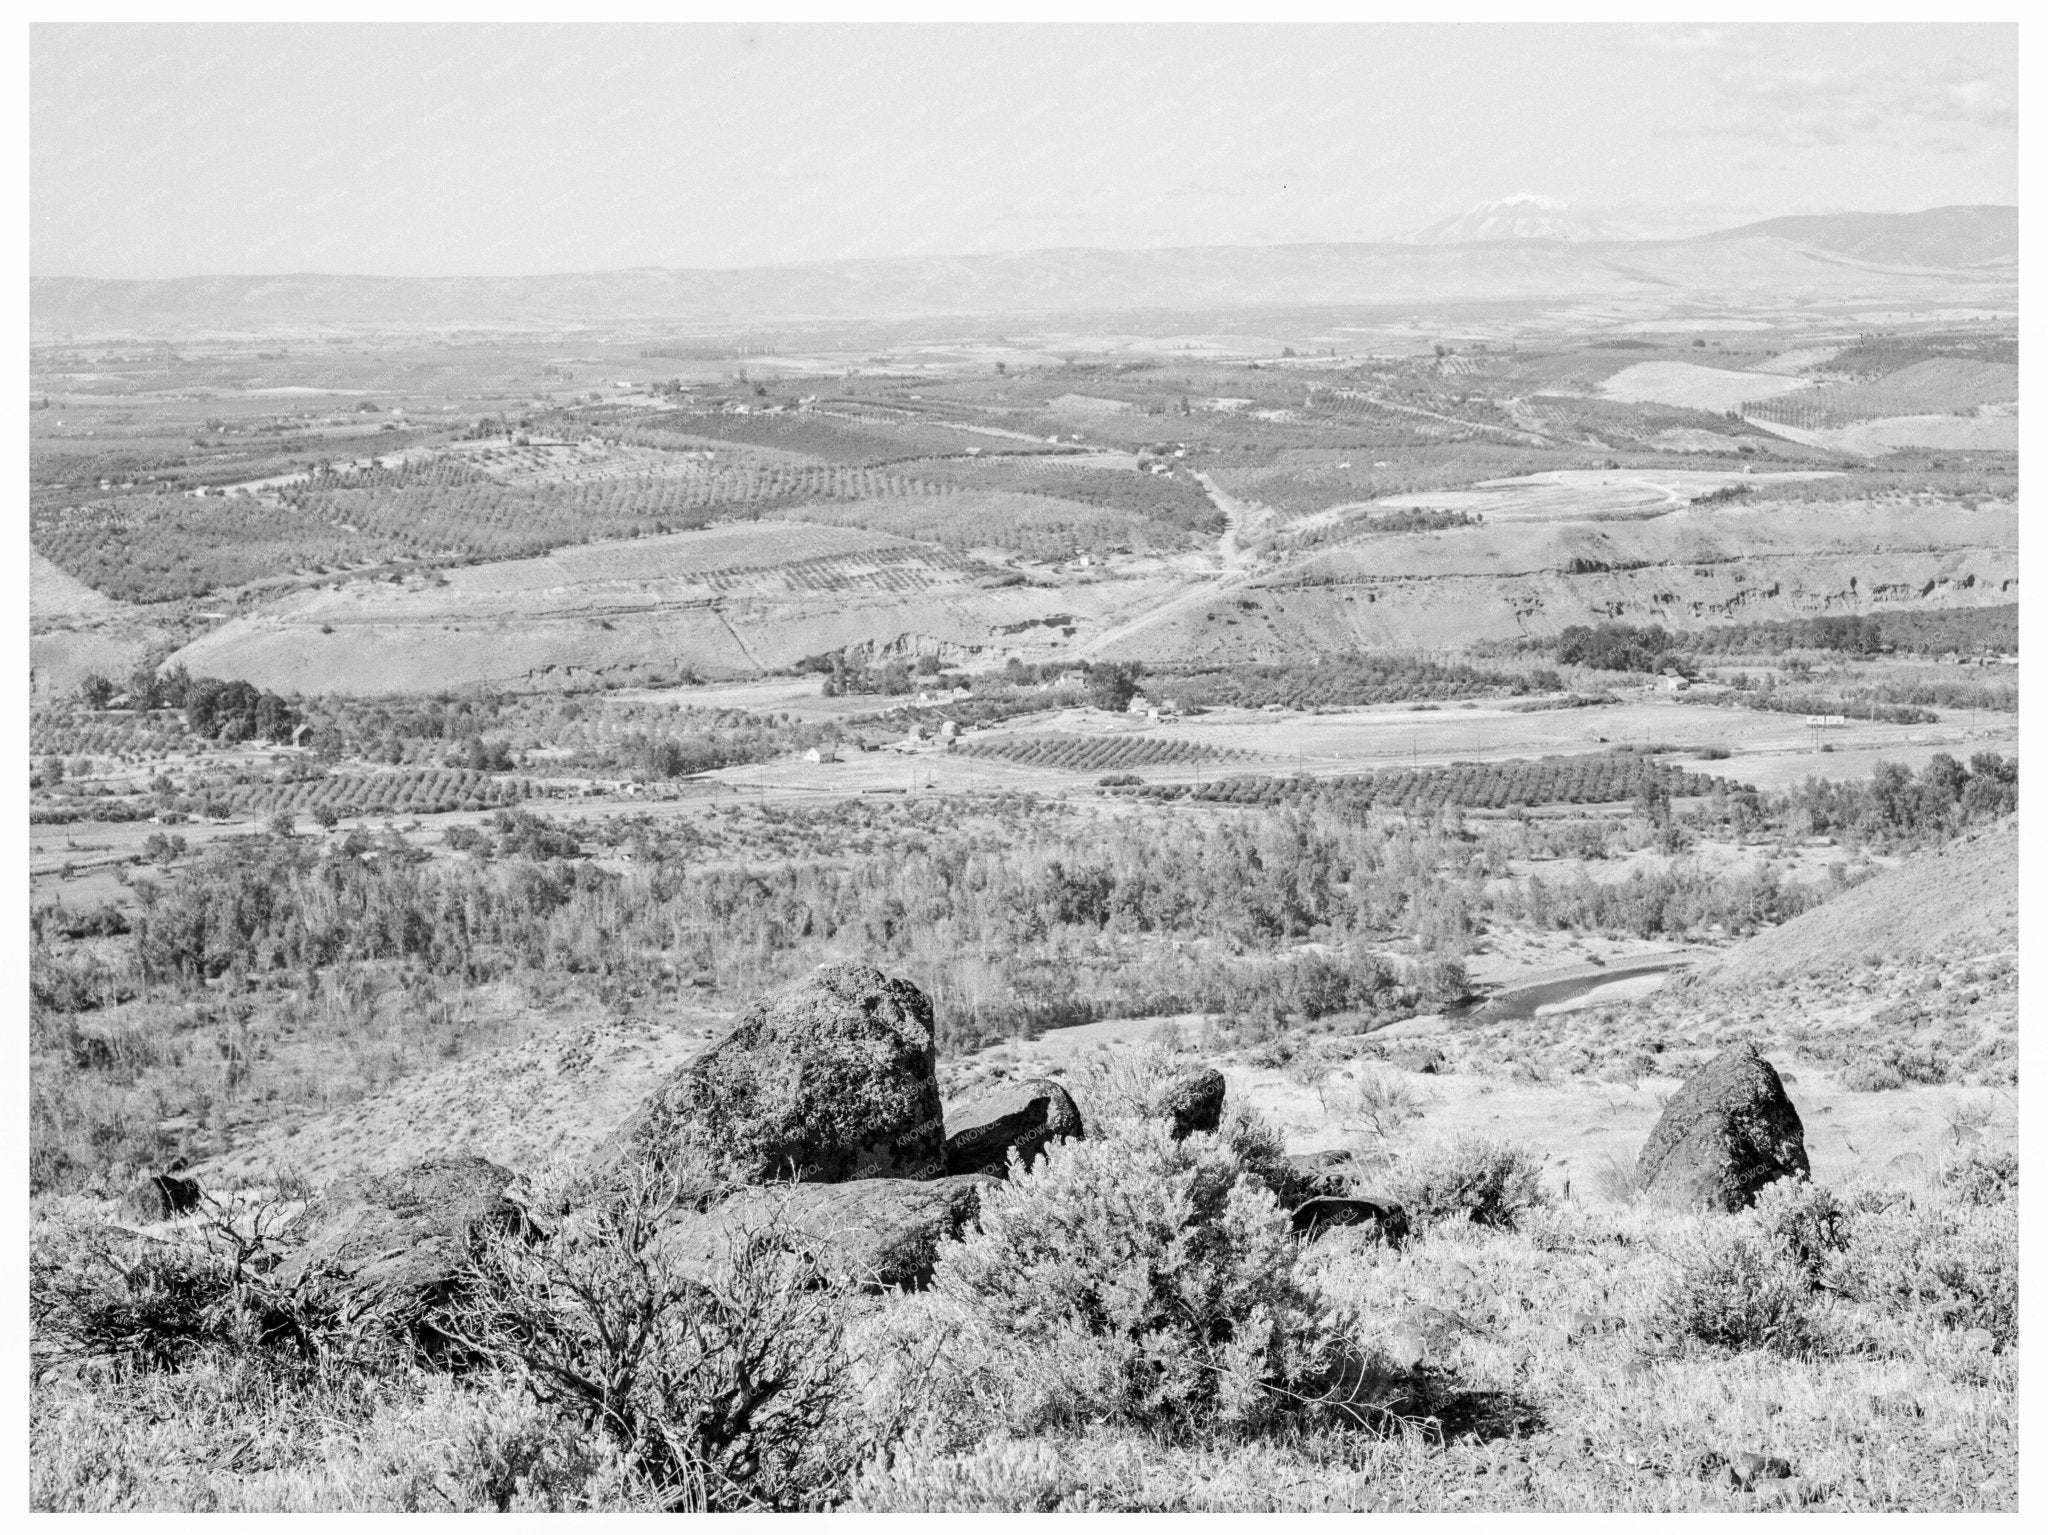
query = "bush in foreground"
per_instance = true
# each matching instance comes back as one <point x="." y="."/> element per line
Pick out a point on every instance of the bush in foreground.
<point x="1957" y="1266"/>
<point x="1737" y="1287"/>
<point x="721" y="1390"/>
<point x="1132" y="1279"/>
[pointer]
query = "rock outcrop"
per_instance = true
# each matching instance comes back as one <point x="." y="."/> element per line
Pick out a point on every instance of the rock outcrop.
<point x="397" y="1243"/>
<point x="1191" y="1101"/>
<point x="1306" y="1175"/>
<point x="1724" y="1135"/>
<point x="872" y="1232"/>
<point x="1312" y="1217"/>
<point x="829" y="1080"/>
<point x="1423" y="1060"/>
<point x="160" y="1197"/>
<point x="1025" y="1116"/>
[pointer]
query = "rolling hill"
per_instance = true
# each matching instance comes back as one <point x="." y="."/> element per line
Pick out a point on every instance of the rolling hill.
<point x="1838" y="256"/>
<point x="1961" y="236"/>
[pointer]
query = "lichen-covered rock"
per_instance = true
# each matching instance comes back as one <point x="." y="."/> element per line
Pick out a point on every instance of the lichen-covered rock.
<point x="1028" y="1116"/>
<point x="1306" y="1175"/>
<point x="872" y="1232"/>
<point x="831" y="1079"/>
<point x="1725" y="1134"/>
<point x="160" y="1197"/>
<point x="1191" y="1101"/>
<point x="397" y="1243"/>
<point x="1385" y="1218"/>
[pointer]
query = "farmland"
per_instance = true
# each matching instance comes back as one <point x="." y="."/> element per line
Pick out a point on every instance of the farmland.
<point x="455" y="794"/>
<point x="1095" y="754"/>
<point x="1591" y="779"/>
<point x="1359" y="498"/>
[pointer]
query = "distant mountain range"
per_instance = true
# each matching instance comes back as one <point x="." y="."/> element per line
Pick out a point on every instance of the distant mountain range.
<point x="1522" y="248"/>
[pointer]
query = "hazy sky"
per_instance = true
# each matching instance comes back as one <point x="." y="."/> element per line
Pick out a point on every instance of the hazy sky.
<point x="174" y="150"/>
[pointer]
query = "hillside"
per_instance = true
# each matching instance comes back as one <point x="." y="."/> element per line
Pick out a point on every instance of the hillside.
<point x="1961" y="896"/>
<point x="1936" y="237"/>
<point x="628" y="610"/>
<point x="1504" y="579"/>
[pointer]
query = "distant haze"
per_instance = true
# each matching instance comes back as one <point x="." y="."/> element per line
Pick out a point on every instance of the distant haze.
<point x="166" y="151"/>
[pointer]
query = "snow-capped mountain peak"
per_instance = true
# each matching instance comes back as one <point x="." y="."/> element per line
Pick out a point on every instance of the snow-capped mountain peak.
<point x="1524" y="216"/>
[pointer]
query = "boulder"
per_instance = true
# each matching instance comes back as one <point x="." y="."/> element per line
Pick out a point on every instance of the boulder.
<point x="1304" y="1175"/>
<point x="1724" y="1135"/>
<point x="1192" y="1100"/>
<point x="396" y="1243"/>
<point x="830" y="1079"/>
<point x="1028" y="1116"/>
<point x="1387" y="1219"/>
<point x="160" y="1197"/>
<point x="872" y="1232"/>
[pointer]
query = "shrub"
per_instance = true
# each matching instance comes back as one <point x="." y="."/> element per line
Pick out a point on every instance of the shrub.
<point x="1130" y="1278"/>
<point x="1805" y="1218"/>
<point x="1956" y="1266"/>
<point x="1487" y="1182"/>
<point x="97" y="1292"/>
<point x="1380" y="1100"/>
<point x="726" y="1391"/>
<point x="1982" y="1176"/>
<point x="1116" y="1084"/>
<point x="1871" y="1076"/>
<point x="1738" y="1287"/>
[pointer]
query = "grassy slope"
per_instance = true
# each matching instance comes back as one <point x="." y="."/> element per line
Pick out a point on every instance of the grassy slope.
<point x="1960" y="896"/>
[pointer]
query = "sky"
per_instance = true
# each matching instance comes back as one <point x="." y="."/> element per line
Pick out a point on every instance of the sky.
<point x="180" y="150"/>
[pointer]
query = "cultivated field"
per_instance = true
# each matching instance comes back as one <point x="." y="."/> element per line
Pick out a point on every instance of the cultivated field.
<point x="1688" y="384"/>
<point x="1446" y="736"/>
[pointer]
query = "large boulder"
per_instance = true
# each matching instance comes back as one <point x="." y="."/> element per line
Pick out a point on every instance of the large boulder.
<point x="1190" y="1101"/>
<point x="872" y="1232"/>
<point x="1027" y="1116"/>
<point x="397" y="1243"/>
<point x="1724" y="1135"/>
<point x="831" y="1079"/>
